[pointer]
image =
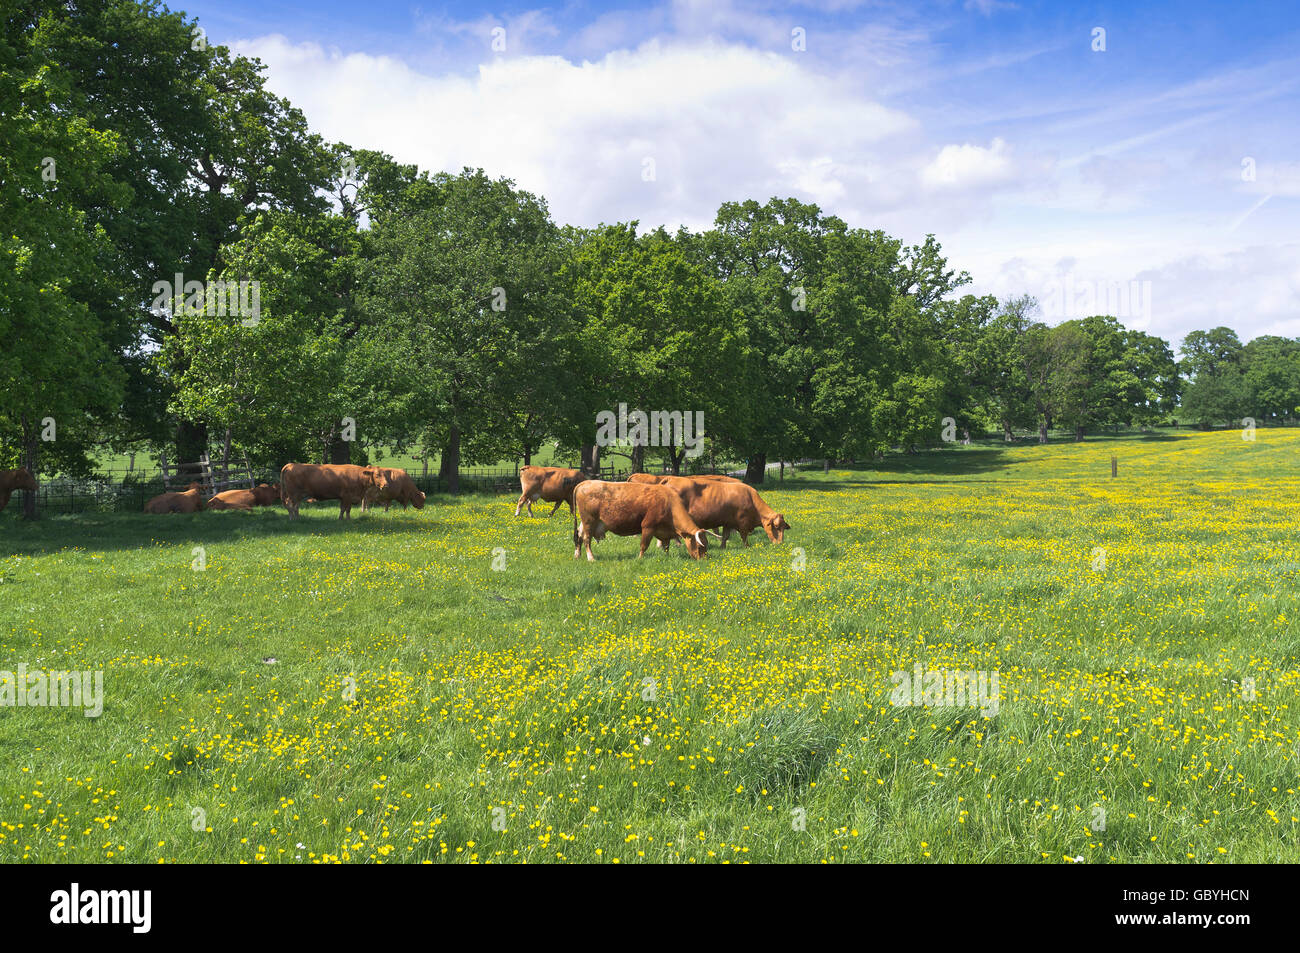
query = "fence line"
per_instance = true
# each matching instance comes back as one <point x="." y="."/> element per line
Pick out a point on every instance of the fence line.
<point x="71" y="495"/>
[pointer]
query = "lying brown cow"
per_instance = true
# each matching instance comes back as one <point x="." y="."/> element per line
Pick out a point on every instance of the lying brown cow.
<point x="187" y="501"/>
<point x="11" y="480"/>
<point x="549" y="484"/>
<point x="344" y="482"/>
<point x="629" y="509"/>
<point x="400" y="489"/>
<point x="260" y="495"/>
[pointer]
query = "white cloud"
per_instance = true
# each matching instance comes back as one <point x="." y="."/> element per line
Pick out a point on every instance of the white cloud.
<point x="969" y="166"/>
<point x="720" y="122"/>
<point x="1254" y="290"/>
<point x="729" y="120"/>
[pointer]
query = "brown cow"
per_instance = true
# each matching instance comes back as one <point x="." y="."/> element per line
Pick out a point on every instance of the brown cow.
<point x="11" y="480"/>
<point x="728" y="505"/>
<point x="626" y="509"/>
<point x="401" y="489"/>
<point x="549" y="484"/>
<point x="260" y="495"/>
<point x="718" y="477"/>
<point x="665" y="477"/>
<point x="344" y="482"/>
<point x="734" y="506"/>
<point x="189" y="500"/>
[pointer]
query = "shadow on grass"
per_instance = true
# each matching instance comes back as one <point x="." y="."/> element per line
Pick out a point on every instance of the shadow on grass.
<point x="96" y="532"/>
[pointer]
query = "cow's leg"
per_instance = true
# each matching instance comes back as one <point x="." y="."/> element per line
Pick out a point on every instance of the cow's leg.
<point x="345" y="508"/>
<point x="590" y="557"/>
<point x="726" y="531"/>
<point x="523" y="498"/>
<point x="558" y="504"/>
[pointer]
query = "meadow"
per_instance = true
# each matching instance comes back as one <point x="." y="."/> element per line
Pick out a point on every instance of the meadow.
<point x="451" y="685"/>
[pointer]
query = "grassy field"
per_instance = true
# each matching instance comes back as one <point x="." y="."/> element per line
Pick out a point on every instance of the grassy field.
<point x="378" y="691"/>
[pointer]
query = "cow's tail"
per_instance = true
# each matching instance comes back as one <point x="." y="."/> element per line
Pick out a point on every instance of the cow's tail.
<point x="573" y="511"/>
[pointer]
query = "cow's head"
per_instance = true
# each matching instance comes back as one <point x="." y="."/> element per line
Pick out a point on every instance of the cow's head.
<point x="774" y="525"/>
<point x="193" y="488"/>
<point x="697" y="543"/>
<point x="23" y="480"/>
<point x="266" y="495"/>
<point x="375" y="477"/>
<point x="415" y="496"/>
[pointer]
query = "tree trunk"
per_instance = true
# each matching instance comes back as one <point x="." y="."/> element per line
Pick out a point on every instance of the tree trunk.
<point x="528" y="455"/>
<point x="590" y="459"/>
<point x="191" y="443"/>
<point x="1078" y="433"/>
<point x="30" y="444"/>
<point x="1042" y="431"/>
<point x="638" y="458"/>
<point x="675" y="459"/>
<point x="450" y="467"/>
<point x="340" y="450"/>
<point x="755" y="468"/>
<point x="826" y="464"/>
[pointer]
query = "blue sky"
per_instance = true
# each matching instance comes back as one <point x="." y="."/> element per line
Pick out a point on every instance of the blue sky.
<point x="1167" y="164"/>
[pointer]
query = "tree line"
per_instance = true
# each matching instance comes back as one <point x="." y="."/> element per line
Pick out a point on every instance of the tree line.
<point x="448" y="314"/>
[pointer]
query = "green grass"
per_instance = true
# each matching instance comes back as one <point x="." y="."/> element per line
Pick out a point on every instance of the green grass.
<point x="375" y="690"/>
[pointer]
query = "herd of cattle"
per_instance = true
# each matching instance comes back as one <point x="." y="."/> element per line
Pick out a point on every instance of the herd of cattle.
<point x="662" y="508"/>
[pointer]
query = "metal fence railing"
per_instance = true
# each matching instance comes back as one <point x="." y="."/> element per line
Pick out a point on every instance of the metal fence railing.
<point x="127" y="491"/>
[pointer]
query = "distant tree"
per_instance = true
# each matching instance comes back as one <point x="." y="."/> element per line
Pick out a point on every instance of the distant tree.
<point x="1271" y="368"/>
<point x="208" y="148"/>
<point x="656" y="332"/>
<point x="457" y="297"/>
<point x="1216" y="391"/>
<point x="1054" y="362"/>
<point x="60" y="374"/>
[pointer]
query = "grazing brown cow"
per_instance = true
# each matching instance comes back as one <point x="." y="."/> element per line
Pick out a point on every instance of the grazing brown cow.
<point x="401" y="489"/>
<point x="189" y="500"/>
<point x="11" y="480"/>
<point x="665" y="477"/>
<point x="717" y="477"/>
<point x="732" y="506"/>
<point x="344" y="482"/>
<point x="260" y="495"/>
<point x="629" y="509"/>
<point x="549" y="484"/>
